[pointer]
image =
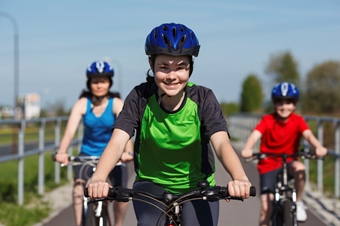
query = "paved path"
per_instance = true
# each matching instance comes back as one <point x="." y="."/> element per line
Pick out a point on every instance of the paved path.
<point x="235" y="213"/>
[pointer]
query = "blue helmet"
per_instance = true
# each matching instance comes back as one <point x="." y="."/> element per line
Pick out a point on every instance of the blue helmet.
<point x="172" y="39"/>
<point x="285" y="90"/>
<point x="99" y="68"/>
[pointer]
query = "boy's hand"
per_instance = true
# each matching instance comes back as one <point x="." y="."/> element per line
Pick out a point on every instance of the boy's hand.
<point x="247" y="153"/>
<point x="321" y="151"/>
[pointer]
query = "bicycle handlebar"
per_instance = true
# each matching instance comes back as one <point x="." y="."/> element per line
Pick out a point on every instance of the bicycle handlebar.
<point x="79" y="158"/>
<point x="259" y="156"/>
<point x="215" y="193"/>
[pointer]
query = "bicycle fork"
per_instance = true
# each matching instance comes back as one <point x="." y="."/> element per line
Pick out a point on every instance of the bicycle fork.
<point x="172" y="219"/>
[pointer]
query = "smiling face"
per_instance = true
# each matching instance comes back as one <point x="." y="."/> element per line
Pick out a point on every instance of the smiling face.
<point x="284" y="108"/>
<point x="171" y="74"/>
<point x="100" y="86"/>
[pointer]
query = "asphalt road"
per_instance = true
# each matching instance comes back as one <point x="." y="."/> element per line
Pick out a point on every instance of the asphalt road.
<point x="234" y="213"/>
<point x="8" y="149"/>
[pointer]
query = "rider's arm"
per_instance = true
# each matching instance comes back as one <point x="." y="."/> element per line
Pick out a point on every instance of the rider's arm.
<point x="98" y="188"/>
<point x="225" y="153"/>
<point x="312" y="140"/>
<point x="251" y="141"/>
<point x="127" y="154"/>
<point x="72" y="124"/>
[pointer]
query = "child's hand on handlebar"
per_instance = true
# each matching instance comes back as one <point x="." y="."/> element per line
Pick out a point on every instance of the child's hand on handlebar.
<point x="239" y="188"/>
<point x="126" y="157"/>
<point x="246" y="153"/>
<point x="321" y="151"/>
<point x="98" y="189"/>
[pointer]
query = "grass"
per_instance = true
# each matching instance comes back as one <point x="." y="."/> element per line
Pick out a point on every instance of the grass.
<point x="34" y="208"/>
<point x="328" y="175"/>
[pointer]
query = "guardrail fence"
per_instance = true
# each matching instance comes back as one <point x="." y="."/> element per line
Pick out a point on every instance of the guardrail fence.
<point x="21" y="151"/>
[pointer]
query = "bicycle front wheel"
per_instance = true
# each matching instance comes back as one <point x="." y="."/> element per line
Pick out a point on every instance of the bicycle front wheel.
<point x="92" y="220"/>
<point x="287" y="212"/>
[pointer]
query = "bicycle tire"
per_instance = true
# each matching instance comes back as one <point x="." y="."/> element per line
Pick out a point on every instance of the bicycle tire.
<point x="287" y="212"/>
<point x="91" y="219"/>
<point x="276" y="218"/>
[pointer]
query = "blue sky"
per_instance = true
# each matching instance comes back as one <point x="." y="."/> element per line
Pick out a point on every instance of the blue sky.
<point x="59" y="39"/>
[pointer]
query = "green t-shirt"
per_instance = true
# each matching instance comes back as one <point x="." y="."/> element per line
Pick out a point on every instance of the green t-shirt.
<point x="172" y="149"/>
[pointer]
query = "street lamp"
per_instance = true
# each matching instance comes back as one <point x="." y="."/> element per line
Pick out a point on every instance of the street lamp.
<point x="16" y="57"/>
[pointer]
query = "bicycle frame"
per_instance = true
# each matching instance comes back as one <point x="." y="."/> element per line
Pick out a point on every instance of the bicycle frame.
<point x="90" y="161"/>
<point x="284" y="193"/>
<point x="284" y="203"/>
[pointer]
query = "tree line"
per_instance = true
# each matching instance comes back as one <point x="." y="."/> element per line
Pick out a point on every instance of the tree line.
<point x="319" y="89"/>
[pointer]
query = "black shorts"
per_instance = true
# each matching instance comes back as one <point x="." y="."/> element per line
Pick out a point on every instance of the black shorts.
<point x="117" y="177"/>
<point x="268" y="181"/>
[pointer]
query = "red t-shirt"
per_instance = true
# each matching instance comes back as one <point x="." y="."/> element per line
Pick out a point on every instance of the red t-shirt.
<point x="279" y="137"/>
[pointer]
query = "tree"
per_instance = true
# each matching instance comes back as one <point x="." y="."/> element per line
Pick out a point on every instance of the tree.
<point x="322" y="89"/>
<point x="56" y="109"/>
<point x="252" y="95"/>
<point x="229" y="108"/>
<point x="283" y="68"/>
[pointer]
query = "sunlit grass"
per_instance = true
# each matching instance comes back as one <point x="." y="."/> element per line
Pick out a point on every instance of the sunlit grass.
<point x="34" y="208"/>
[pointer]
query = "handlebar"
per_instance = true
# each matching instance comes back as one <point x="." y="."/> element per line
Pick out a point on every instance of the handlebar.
<point x="78" y="158"/>
<point x="301" y="153"/>
<point x="211" y="194"/>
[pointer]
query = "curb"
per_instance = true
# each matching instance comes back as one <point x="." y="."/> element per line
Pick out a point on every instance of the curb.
<point x="60" y="198"/>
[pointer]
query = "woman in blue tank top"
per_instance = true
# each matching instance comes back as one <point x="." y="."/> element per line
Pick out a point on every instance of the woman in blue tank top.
<point x="98" y="109"/>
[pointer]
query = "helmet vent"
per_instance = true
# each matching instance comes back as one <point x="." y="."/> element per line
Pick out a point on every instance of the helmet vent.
<point x="183" y="40"/>
<point x="165" y="28"/>
<point x="166" y="40"/>
<point x="182" y="28"/>
<point x="174" y="32"/>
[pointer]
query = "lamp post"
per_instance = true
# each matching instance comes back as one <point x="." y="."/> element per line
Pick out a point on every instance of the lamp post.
<point x="16" y="57"/>
<point x="16" y="74"/>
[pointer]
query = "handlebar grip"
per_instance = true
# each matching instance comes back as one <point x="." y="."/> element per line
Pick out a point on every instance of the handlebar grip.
<point x="53" y="157"/>
<point x="225" y="192"/>
<point x="112" y="192"/>
<point x="252" y="191"/>
<point x="86" y="192"/>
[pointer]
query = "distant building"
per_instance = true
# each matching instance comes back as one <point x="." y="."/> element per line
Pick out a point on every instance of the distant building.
<point x="29" y="105"/>
<point x="6" y="112"/>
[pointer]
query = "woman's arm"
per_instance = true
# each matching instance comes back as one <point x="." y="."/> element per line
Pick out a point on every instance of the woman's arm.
<point x="77" y="112"/>
<point x="240" y="185"/>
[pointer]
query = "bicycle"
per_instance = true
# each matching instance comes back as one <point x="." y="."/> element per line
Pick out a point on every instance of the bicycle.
<point x="99" y="216"/>
<point x="172" y="202"/>
<point x="284" y="203"/>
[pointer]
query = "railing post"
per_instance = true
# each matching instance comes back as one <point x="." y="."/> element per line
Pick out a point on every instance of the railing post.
<point x="306" y="162"/>
<point x="21" y="147"/>
<point x="320" y="162"/>
<point x="337" y="160"/>
<point x="57" y="143"/>
<point x="41" y="172"/>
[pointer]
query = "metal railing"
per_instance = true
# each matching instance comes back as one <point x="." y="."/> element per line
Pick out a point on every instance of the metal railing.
<point x="19" y="127"/>
<point x="241" y="125"/>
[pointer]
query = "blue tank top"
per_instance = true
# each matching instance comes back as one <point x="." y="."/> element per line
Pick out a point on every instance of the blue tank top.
<point x="97" y="130"/>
